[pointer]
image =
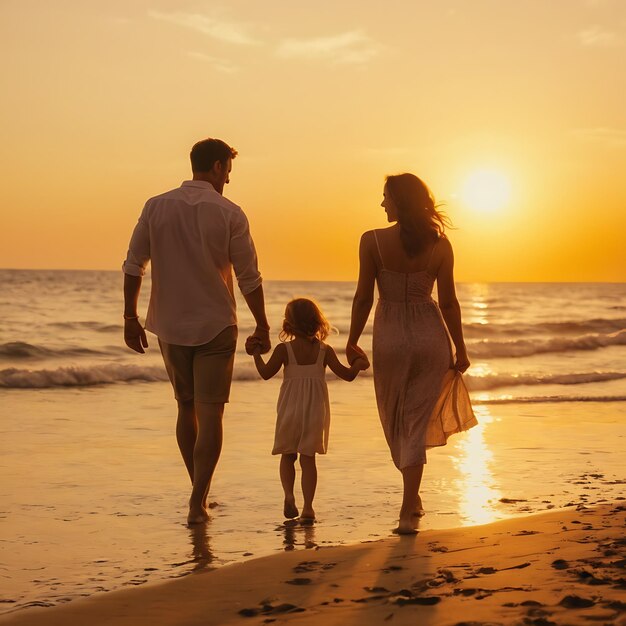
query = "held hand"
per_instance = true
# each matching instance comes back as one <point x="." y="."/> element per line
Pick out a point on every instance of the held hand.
<point x="353" y="352"/>
<point x="361" y="363"/>
<point x="135" y="336"/>
<point x="259" y="340"/>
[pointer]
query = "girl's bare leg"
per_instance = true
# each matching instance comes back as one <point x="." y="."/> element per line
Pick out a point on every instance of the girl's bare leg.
<point x="411" y="478"/>
<point x="309" y="484"/>
<point x="288" y="480"/>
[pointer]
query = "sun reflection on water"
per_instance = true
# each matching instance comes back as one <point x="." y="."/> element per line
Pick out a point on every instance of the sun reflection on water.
<point x="478" y="494"/>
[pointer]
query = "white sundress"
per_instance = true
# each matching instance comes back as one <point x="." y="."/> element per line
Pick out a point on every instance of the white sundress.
<point x="303" y="407"/>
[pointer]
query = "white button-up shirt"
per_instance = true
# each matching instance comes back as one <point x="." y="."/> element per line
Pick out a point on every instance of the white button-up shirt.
<point x="194" y="238"/>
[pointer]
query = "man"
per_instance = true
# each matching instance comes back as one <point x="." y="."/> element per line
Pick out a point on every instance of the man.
<point x="194" y="238"/>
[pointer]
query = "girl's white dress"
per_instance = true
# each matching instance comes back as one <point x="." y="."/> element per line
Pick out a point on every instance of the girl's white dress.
<point x="303" y="407"/>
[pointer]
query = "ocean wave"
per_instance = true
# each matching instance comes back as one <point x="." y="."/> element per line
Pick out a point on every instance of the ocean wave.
<point x="596" y="325"/>
<point x="549" y="399"/>
<point x="89" y="376"/>
<point x="95" y="326"/>
<point x="494" y="381"/>
<point x="79" y="376"/>
<point x="23" y="350"/>
<point x="527" y="347"/>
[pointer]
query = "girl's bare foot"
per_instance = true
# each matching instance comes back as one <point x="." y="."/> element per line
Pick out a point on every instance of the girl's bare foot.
<point x="307" y="515"/>
<point x="197" y="516"/>
<point x="290" y="510"/>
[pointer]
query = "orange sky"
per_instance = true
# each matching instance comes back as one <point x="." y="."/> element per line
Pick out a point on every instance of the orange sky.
<point x="102" y="102"/>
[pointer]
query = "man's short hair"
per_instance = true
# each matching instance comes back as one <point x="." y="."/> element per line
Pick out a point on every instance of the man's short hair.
<point x="206" y="152"/>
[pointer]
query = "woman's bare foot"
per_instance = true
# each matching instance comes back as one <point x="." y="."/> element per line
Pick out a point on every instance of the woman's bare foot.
<point x="419" y="509"/>
<point x="290" y="510"/>
<point x="407" y="524"/>
<point x="197" y="516"/>
<point x="406" y="527"/>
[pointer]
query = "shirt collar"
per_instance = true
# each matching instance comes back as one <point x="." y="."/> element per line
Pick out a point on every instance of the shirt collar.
<point x="202" y="184"/>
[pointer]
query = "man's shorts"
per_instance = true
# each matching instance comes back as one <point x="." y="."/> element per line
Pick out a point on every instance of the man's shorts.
<point x="202" y="373"/>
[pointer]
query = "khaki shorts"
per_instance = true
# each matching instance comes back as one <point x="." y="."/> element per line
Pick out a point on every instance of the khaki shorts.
<point x="202" y="373"/>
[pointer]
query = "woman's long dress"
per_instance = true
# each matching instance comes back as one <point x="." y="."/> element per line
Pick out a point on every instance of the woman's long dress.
<point x="421" y="400"/>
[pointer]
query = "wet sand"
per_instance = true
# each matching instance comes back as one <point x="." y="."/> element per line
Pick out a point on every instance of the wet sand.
<point x="560" y="567"/>
<point x="93" y="492"/>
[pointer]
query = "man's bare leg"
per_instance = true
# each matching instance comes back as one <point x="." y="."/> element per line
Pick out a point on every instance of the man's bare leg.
<point x="186" y="433"/>
<point x="206" y="454"/>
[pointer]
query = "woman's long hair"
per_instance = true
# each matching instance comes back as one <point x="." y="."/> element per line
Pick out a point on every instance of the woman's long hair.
<point x="304" y="318"/>
<point x="420" y="222"/>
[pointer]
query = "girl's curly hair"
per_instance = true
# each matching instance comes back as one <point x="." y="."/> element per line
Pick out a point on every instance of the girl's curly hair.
<point x="303" y="318"/>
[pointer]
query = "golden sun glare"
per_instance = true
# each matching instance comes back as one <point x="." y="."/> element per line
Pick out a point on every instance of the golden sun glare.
<point x="486" y="191"/>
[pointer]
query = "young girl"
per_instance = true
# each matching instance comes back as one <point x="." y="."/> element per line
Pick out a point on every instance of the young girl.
<point x="303" y="407"/>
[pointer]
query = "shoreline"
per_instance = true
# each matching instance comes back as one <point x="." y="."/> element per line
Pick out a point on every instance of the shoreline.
<point x="565" y="565"/>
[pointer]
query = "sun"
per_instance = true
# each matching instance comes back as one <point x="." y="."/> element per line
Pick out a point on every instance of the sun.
<point x="486" y="191"/>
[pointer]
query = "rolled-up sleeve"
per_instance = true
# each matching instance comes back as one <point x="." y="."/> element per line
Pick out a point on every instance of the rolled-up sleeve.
<point x="138" y="248"/>
<point x="243" y="254"/>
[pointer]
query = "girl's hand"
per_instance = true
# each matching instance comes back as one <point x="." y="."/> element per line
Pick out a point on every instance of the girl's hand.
<point x="353" y="352"/>
<point x="361" y="363"/>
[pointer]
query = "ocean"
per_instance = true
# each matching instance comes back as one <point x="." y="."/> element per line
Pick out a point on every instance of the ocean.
<point x="93" y="492"/>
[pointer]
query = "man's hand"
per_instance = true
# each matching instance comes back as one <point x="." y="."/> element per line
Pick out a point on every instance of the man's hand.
<point x="135" y="336"/>
<point x="259" y="341"/>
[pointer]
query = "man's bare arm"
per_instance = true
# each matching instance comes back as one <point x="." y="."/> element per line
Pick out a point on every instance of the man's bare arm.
<point x="261" y="336"/>
<point x="134" y="334"/>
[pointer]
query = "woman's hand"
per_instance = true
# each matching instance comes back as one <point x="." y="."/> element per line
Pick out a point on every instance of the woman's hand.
<point x="462" y="362"/>
<point x="353" y="352"/>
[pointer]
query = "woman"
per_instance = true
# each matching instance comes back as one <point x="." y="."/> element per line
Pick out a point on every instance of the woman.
<point x="419" y="392"/>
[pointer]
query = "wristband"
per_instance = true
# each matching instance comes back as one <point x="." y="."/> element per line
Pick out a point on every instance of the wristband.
<point x="131" y="317"/>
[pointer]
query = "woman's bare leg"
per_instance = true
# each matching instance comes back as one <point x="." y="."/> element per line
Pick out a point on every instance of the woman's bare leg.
<point x="288" y="480"/>
<point x="411" y="478"/>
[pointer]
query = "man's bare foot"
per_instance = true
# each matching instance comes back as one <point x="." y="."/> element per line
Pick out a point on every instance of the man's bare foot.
<point x="197" y="516"/>
<point x="290" y="510"/>
<point x="307" y="515"/>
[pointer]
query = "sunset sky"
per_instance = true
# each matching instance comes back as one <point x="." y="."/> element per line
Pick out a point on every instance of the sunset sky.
<point x="513" y="112"/>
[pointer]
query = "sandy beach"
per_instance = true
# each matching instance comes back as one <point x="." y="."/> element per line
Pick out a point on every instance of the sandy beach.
<point x="93" y="491"/>
<point x="561" y="567"/>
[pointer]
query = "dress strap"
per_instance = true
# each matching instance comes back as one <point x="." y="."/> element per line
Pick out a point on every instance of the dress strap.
<point x="291" y="357"/>
<point x="320" y="354"/>
<point x="432" y="252"/>
<point x="380" y="256"/>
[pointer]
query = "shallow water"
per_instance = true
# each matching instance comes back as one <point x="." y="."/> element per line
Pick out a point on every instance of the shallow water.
<point x="93" y="492"/>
